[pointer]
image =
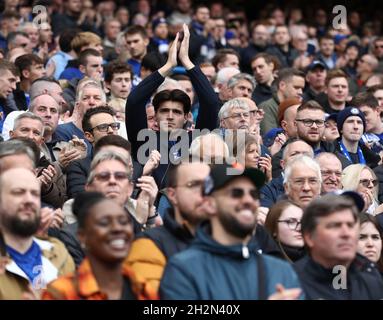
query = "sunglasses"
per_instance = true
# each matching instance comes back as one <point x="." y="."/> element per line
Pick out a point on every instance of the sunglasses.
<point x="366" y="182"/>
<point x="106" y="175"/>
<point x="238" y="193"/>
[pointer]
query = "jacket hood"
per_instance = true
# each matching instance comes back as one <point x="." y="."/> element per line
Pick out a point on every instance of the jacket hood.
<point x="205" y="242"/>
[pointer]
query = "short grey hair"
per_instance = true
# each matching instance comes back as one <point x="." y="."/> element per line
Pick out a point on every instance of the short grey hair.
<point x="231" y="104"/>
<point x="301" y="161"/>
<point x="105" y="155"/>
<point x="89" y="83"/>
<point x="233" y="81"/>
<point x="41" y="86"/>
<point x="224" y="75"/>
<point x="27" y="115"/>
<point x="14" y="147"/>
<point x="195" y="147"/>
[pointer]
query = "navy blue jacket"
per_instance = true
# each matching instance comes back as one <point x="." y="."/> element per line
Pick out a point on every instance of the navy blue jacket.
<point x="136" y="115"/>
<point x="271" y="191"/>
<point x="208" y="270"/>
<point x="364" y="281"/>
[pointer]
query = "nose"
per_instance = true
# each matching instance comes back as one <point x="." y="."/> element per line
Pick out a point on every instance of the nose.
<point x="306" y="186"/>
<point x="110" y="130"/>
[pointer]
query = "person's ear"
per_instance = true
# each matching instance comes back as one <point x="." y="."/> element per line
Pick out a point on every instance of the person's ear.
<point x="210" y="206"/>
<point x="81" y="68"/>
<point x="282" y="163"/>
<point x="308" y="239"/>
<point x="107" y="85"/>
<point x="284" y="124"/>
<point x="171" y="194"/>
<point x="89" y="136"/>
<point x="11" y="134"/>
<point x="25" y="73"/>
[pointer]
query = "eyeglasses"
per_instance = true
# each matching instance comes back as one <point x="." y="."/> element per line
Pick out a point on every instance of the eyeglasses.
<point x="194" y="184"/>
<point x="292" y="224"/>
<point x="309" y="123"/>
<point x="237" y="116"/>
<point x="366" y="182"/>
<point x="254" y="112"/>
<point x="105" y="126"/>
<point x="238" y="193"/>
<point x="326" y="173"/>
<point x="106" y="175"/>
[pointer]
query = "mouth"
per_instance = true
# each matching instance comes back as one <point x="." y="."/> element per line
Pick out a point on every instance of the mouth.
<point x="118" y="243"/>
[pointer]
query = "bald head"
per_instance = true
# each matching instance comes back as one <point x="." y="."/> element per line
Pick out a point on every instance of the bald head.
<point x="19" y="203"/>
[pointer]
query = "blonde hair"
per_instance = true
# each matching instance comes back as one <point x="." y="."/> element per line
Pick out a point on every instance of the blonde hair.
<point x="84" y="39"/>
<point x="351" y="176"/>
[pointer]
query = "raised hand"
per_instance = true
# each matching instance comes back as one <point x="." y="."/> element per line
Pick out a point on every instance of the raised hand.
<point x="153" y="162"/>
<point x="172" y="58"/>
<point x="183" y="54"/>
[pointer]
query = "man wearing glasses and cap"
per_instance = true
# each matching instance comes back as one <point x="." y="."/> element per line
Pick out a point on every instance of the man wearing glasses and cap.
<point x="222" y="263"/>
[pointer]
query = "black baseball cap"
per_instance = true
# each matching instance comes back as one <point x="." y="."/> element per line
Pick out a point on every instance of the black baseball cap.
<point x="221" y="174"/>
<point x="316" y="64"/>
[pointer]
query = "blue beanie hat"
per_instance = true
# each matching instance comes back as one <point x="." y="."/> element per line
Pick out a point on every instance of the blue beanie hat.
<point x="349" y="112"/>
<point x="157" y="21"/>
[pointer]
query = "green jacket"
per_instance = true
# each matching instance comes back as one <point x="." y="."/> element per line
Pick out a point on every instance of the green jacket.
<point x="270" y="120"/>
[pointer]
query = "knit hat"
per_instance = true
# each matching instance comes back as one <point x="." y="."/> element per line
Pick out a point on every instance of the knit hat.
<point x="157" y="21"/>
<point x="349" y="112"/>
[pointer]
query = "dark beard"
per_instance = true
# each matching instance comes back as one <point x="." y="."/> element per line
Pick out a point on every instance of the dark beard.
<point x="234" y="227"/>
<point x="21" y="228"/>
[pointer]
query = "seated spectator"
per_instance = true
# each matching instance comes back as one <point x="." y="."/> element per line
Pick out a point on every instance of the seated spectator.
<point x="370" y="239"/>
<point x="283" y="222"/>
<point x="103" y="267"/>
<point x="203" y="271"/>
<point x="362" y="179"/>
<point x="302" y="180"/>
<point x="34" y="261"/>
<point x="335" y="247"/>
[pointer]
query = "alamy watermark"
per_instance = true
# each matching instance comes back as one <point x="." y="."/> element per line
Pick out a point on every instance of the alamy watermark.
<point x="41" y="17"/>
<point x="340" y="20"/>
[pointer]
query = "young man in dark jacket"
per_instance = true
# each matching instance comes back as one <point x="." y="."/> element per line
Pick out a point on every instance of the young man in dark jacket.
<point x="136" y="112"/>
<point x="333" y="270"/>
<point x="223" y="262"/>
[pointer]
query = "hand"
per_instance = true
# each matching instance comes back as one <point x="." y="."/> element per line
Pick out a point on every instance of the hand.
<point x="146" y="198"/>
<point x="183" y="53"/>
<point x="285" y="294"/>
<point x="172" y="58"/>
<point x="57" y="220"/>
<point x="78" y="144"/>
<point x="148" y="188"/>
<point x="264" y="163"/>
<point x="279" y="141"/>
<point x="46" y="220"/>
<point x="152" y="164"/>
<point x="67" y="156"/>
<point x="262" y="214"/>
<point x="368" y="198"/>
<point x="46" y="177"/>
